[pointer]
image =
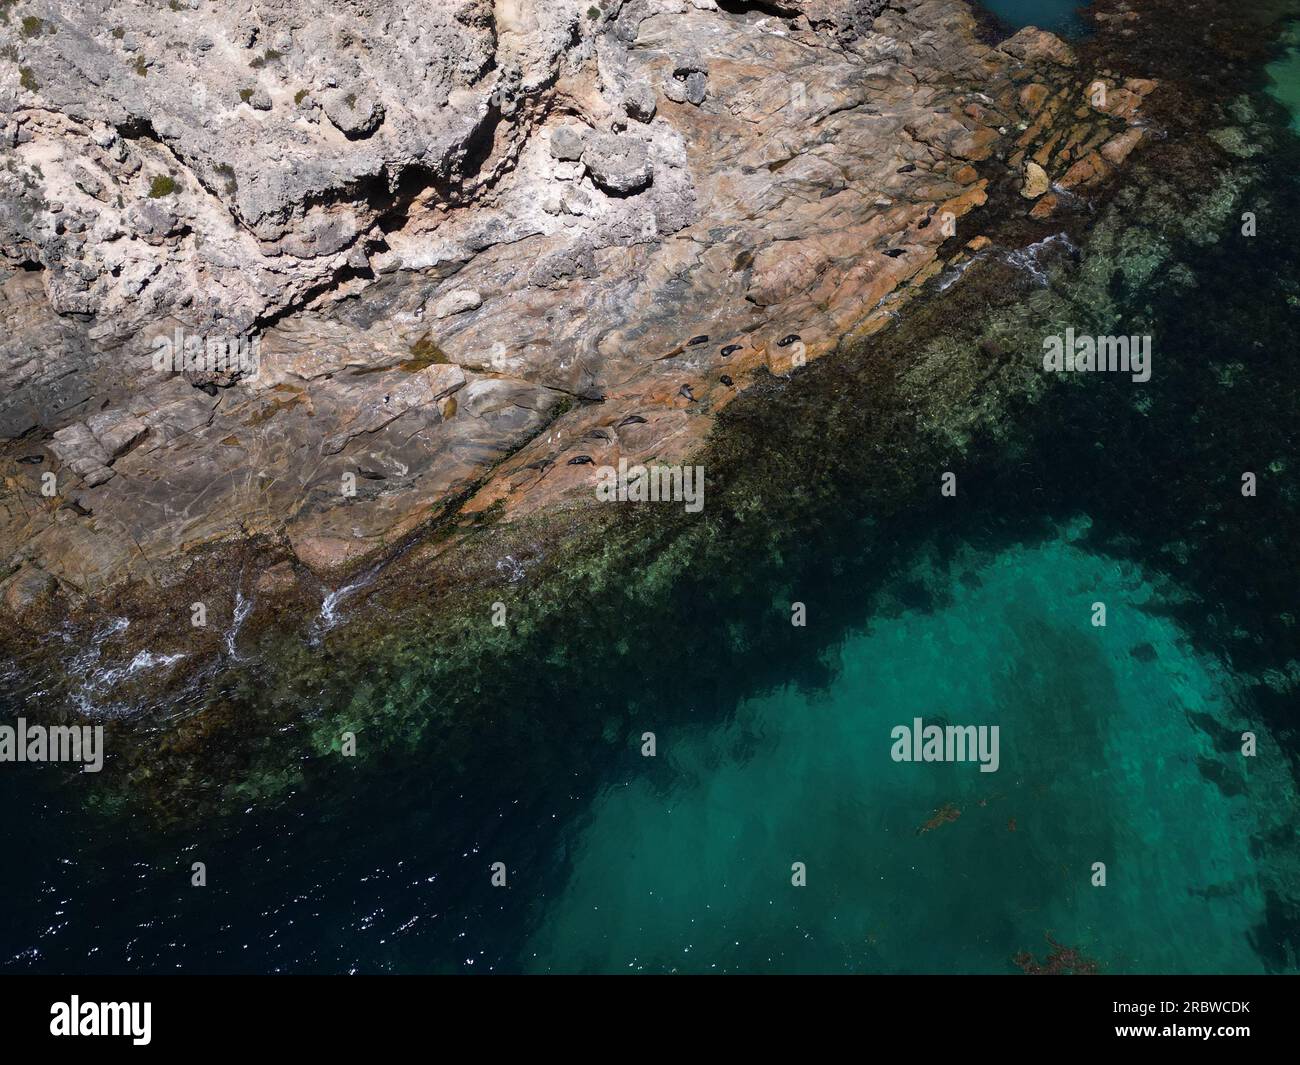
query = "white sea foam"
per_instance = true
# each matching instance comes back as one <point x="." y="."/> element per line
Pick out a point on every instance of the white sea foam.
<point x="243" y="607"/>
<point x="1032" y="257"/>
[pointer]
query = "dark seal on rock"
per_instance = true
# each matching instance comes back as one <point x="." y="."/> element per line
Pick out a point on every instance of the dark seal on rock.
<point x="786" y="341"/>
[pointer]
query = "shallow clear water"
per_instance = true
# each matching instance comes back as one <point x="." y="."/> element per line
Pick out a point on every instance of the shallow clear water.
<point x="1117" y="744"/>
<point x="687" y="865"/>
<point x="1284" y="77"/>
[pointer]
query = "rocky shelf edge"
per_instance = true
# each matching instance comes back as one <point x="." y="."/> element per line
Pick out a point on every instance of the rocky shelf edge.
<point x="473" y="244"/>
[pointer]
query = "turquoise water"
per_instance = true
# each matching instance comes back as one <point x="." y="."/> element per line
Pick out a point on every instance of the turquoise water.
<point x="1059" y="16"/>
<point x="687" y="866"/>
<point x="1118" y="744"/>
<point x="1284" y="77"/>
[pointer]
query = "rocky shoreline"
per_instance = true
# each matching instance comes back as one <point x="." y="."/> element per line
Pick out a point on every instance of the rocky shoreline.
<point x="522" y="527"/>
<point x="453" y="307"/>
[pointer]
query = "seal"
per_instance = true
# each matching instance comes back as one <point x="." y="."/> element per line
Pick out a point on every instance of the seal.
<point x="727" y="381"/>
<point x="582" y="460"/>
<point x="730" y="350"/>
<point x="786" y="341"/>
<point x="631" y="419"/>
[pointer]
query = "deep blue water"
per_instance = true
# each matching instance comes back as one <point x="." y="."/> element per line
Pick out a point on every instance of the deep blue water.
<point x="1059" y="16"/>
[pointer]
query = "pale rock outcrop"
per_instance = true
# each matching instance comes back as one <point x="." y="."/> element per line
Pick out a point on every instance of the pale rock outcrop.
<point x="463" y="236"/>
<point x="1036" y="181"/>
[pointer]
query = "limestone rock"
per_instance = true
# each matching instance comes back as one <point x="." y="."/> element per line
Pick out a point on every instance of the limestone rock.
<point x="77" y="448"/>
<point x="639" y="101"/>
<point x="567" y="142"/>
<point x="1036" y="181"/>
<point x="618" y="163"/>
<point x="116" y="431"/>
<point x="1037" y="46"/>
<point x="457" y="302"/>
<point x="355" y="116"/>
<point x="26" y="589"/>
<point x="414" y="159"/>
<point x="697" y="88"/>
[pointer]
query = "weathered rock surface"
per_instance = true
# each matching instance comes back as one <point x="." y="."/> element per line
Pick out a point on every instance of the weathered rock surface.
<point x="469" y="239"/>
<point x="618" y="163"/>
<point x="1036" y="181"/>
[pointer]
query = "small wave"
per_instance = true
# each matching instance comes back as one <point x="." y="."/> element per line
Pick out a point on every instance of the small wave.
<point x="84" y="660"/>
<point x="102" y="681"/>
<point x="1031" y="257"/>
<point x="512" y="568"/>
<point x="329" y="616"/>
<point x="108" y="678"/>
<point x="951" y="277"/>
<point x="243" y="607"/>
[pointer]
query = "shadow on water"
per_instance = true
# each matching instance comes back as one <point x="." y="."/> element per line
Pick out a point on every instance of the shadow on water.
<point x="1064" y="17"/>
